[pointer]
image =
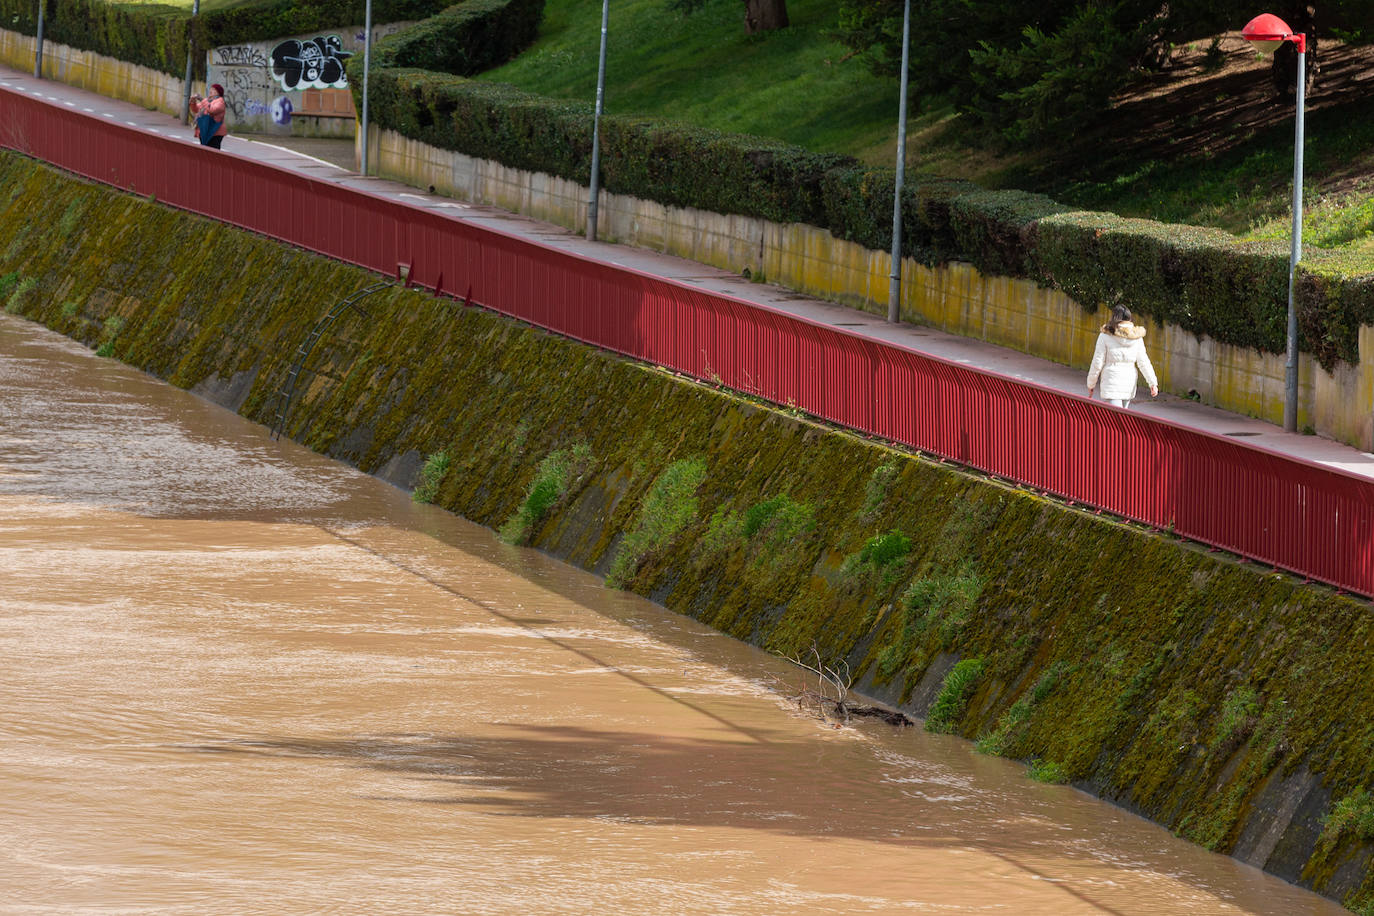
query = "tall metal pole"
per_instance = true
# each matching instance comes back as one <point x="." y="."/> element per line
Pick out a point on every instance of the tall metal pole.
<point x="894" y="289"/>
<point x="594" y="191"/>
<point x="1290" y="401"/>
<point x="190" y="54"/>
<point x="38" y="46"/>
<point x="367" y="65"/>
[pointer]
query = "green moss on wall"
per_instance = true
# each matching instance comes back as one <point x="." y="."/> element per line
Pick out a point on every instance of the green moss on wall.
<point x="1190" y="687"/>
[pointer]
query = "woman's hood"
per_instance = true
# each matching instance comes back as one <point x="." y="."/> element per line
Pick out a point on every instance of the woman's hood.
<point x="1126" y="331"/>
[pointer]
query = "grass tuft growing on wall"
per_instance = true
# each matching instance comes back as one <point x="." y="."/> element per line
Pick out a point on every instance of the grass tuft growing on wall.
<point x="957" y="690"/>
<point x="669" y="506"/>
<point x="1012" y="724"/>
<point x="19" y="293"/>
<point x="552" y="479"/>
<point x="432" y="474"/>
<point x="1352" y="815"/>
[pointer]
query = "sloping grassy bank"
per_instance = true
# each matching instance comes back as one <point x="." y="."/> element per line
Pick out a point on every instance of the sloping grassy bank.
<point x="1226" y="702"/>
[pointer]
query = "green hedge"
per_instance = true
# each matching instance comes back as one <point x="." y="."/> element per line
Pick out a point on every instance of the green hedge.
<point x="1203" y="280"/>
<point x="151" y="36"/>
<point x="465" y="39"/>
<point x="154" y="35"/>
<point x="279" y="19"/>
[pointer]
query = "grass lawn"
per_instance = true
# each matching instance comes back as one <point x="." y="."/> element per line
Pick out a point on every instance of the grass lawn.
<point x="794" y="84"/>
<point x="1192" y="145"/>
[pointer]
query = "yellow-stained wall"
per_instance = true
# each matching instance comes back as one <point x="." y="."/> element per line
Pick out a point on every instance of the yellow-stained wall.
<point x="87" y="70"/>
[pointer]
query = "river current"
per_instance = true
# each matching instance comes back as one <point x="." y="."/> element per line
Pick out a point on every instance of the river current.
<point x="241" y="678"/>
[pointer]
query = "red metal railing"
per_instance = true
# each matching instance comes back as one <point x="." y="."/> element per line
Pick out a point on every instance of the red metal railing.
<point x="1304" y="517"/>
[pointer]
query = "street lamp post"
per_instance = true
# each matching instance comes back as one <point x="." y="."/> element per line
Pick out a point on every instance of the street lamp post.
<point x="38" y="43"/>
<point x="594" y="190"/>
<point x="894" y="289"/>
<point x="1265" y="33"/>
<point x="367" y="65"/>
<point x="190" y="57"/>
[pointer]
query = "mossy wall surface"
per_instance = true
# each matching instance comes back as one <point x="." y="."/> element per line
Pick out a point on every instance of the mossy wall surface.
<point x="1229" y="703"/>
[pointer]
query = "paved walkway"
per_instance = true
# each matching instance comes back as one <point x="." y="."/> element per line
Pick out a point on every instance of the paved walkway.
<point x="963" y="350"/>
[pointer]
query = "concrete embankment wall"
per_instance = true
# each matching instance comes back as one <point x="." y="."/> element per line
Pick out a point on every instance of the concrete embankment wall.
<point x="954" y="297"/>
<point x="1227" y="702"/>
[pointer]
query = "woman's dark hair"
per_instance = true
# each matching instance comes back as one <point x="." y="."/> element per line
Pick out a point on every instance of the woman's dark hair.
<point x="1119" y="314"/>
<point x="219" y="90"/>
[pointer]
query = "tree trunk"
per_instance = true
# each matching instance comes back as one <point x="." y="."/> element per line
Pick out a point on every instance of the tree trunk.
<point x="764" y="15"/>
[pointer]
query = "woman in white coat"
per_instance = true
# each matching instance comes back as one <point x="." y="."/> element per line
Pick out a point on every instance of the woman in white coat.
<point x="1120" y="351"/>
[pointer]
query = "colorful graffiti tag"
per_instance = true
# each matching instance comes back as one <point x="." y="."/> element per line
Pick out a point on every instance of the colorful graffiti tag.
<point x="310" y="64"/>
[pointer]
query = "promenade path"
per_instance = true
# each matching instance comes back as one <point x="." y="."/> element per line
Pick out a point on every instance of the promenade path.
<point x="967" y="351"/>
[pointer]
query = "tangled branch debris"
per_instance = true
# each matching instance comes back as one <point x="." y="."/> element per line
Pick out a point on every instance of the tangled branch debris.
<point x="829" y="699"/>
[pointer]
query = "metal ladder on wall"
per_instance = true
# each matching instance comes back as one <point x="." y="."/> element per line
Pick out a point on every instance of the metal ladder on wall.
<point x="287" y="392"/>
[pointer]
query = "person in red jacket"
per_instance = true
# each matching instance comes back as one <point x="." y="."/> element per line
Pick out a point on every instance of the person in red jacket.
<point x="209" y="114"/>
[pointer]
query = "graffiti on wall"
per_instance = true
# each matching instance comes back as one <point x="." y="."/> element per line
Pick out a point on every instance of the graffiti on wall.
<point x="239" y="56"/>
<point x="279" y="109"/>
<point x="311" y="64"/>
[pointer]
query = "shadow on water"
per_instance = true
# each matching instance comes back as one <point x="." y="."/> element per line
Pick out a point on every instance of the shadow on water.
<point x="663" y="781"/>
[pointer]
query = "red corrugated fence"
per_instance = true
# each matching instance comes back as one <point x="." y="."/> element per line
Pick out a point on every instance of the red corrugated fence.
<point x="1304" y="517"/>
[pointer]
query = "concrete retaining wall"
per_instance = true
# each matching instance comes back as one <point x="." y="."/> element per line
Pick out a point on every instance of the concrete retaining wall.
<point x="1225" y="701"/>
<point x="93" y="72"/>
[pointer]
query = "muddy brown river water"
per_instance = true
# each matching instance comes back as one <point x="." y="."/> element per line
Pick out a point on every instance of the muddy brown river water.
<point x="241" y="678"/>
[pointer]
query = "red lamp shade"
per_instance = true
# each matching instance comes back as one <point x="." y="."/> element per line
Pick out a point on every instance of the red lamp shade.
<point x="1266" y="31"/>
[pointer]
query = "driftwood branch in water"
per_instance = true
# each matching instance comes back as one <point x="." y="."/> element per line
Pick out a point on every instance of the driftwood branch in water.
<point x="830" y="697"/>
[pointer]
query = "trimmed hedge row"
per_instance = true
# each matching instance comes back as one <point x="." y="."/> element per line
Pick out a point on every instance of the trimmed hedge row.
<point x="1203" y="280"/>
<point x="266" y="21"/>
<point x="150" y="36"/>
<point x="465" y="39"/>
<point x="154" y="35"/>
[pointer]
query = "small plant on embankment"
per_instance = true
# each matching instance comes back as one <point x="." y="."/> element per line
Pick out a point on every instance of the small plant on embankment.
<point x="1048" y="771"/>
<point x="70" y="218"/>
<point x="552" y="480"/>
<point x="7" y="283"/>
<point x="1011" y="725"/>
<point x="20" y="291"/>
<point x="767" y="529"/>
<point x="877" y="489"/>
<point x="1239" y="714"/>
<point x="882" y="559"/>
<point x="670" y="506"/>
<point x="1352" y="815"/>
<point x="1211" y="826"/>
<point x="70" y="308"/>
<point x="16" y="244"/>
<point x="431" y="476"/>
<point x="774" y="524"/>
<point x="957" y="690"/>
<point x="940" y="602"/>
<point x="113" y="325"/>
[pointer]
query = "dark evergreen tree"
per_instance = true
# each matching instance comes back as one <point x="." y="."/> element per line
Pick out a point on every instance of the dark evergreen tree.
<point x="1027" y="73"/>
